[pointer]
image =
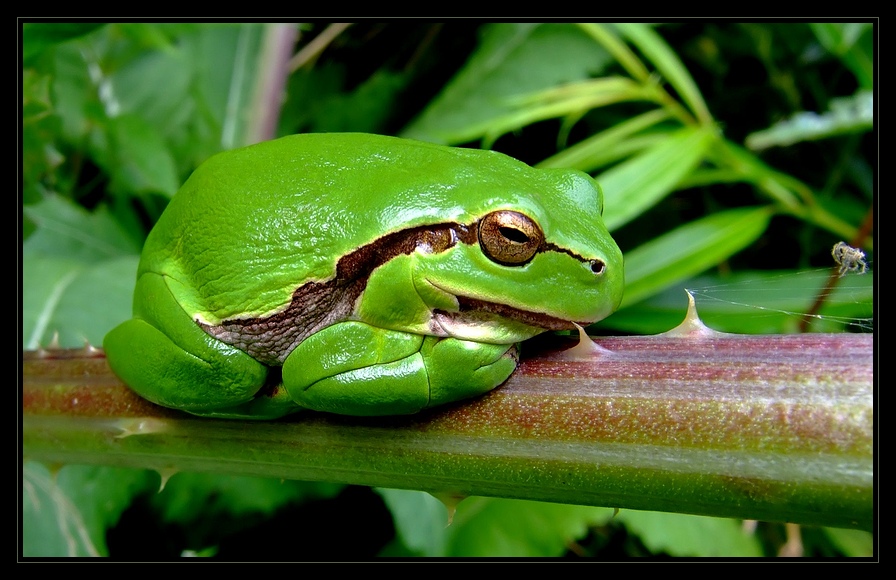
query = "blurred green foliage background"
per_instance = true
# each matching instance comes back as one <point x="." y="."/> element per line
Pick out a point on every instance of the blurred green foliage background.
<point x="733" y="156"/>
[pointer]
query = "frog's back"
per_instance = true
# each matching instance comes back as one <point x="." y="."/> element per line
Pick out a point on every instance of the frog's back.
<point x="253" y="224"/>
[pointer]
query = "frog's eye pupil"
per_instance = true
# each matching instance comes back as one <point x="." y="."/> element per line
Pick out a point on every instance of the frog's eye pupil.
<point x="509" y="238"/>
<point x="514" y="235"/>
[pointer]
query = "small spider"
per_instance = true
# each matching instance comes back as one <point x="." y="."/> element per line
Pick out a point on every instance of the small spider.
<point x="850" y="259"/>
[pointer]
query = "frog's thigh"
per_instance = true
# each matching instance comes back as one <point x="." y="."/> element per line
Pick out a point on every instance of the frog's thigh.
<point x="354" y="368"/>
<point x="458" y="369"/>
<point x="167" y="358"/>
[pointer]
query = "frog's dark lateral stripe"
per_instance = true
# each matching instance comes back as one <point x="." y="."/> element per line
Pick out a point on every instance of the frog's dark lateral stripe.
<point x="316" y="305"/>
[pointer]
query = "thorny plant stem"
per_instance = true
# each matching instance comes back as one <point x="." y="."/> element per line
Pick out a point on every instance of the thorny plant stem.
<point x="776" y="428"/>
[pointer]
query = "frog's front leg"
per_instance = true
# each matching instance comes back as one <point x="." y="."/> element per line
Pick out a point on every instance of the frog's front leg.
<point x="354" y="368"/>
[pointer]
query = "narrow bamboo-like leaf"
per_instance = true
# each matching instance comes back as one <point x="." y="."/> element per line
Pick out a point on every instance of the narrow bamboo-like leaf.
<point x="794" y="196"/>
<point x="853" y="114"/>
<point x="618" y="49"/>
<point x="852" y="42"/>
<point x="511" y="60"/>
<point x="590" y="153"/>
<point x="635" y="185"/>
<point x="571" y="100"/>
<point x="689" y="250"/>
<point x="755" y="302"/>
<point x="669" y="65"/>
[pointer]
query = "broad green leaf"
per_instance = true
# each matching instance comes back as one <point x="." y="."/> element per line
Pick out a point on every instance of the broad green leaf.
<point x="40" y="135"/>
<point x="518" y="528"/>
<point x="37" y="37"/>
<point x="308" y="90"/>
<point x="67" y="230"/>
<point x="68" y="514"/>
<point x="74" y="95"/>
<point x="365" y="109"/>
<point x="690" y="250"/>
<point x="137" y="158"/>
<point x="62" y="297"/>
<point x="847" y="115"/>
<point x="755" y="302"/>
<point x="190" y="497"/>
<point x="853" y="543"/>
<point x="687" y="535"/>
<point x="421" y="521"/>
<point x="197" y="92"/>
<point x="669" y="66"/>
<point x="635" y="185"/>
<point x="78" y="273"/>
<point x="156" y="85"/>
<point x="511" y="60"/>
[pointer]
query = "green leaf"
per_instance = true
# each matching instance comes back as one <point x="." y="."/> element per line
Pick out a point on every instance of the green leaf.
<point x="67" y="230"/>
<point x="637" y="184"/>
<point x="853" y="43"/>
<point x="62" y="299"/>
<point x="37" y="37"/>
<point x="68" y="514"/>
<point x="71" y="255"/>
<point x="669" y="66"/>
<point x="365" y="109"/>
<point x="421" y="520"/>
<point x="689" y="250"/>
<point x="511" y="60"/>
<point x="599" y="149"/>
<point x="687" y="535"/>
<point x="490" y="527"/>
<point x="518" y="528"/>
<point x="755" y="302"/>
<point x="137" y="158"/>
<point x="571" y="100"/>
<point x="74" y="95"/>
<point x="188" y="498"/>
<point x="847" y="115"/>
<point x="853" y="543"/>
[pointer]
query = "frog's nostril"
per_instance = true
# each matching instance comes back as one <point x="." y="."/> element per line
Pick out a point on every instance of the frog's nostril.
<point x="598" y="267"/>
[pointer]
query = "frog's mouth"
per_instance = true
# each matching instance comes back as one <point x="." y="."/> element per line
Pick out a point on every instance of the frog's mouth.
<point x="536" y="319"/>
<point x="490" y="322"/>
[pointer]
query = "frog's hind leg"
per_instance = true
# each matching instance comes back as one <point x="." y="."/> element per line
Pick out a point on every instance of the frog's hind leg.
<point x="167" y="358"/>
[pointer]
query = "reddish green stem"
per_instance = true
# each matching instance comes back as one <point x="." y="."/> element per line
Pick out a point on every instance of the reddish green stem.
<point x="776" y="428"/>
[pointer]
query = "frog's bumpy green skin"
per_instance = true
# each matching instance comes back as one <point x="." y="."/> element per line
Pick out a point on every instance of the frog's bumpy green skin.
<point x="358" y="274"/>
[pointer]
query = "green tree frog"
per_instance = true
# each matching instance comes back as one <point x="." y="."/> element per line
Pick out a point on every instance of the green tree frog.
<point x="358" y="274"/>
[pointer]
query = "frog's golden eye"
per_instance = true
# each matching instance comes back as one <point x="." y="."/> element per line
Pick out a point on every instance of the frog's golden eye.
<point x="509" y="237"/>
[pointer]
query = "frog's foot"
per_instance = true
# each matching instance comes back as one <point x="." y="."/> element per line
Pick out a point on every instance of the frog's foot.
<point x="354" y="368"/>
<point x="459" y="369"/>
